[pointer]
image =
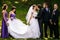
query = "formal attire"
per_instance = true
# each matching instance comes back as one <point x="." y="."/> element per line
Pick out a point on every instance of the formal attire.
<point x="40" y="21"/>
<point x="18" y="29"/>
<point x="46" y="17"/>
<point x="4" y="32"/>
<point x="55" y="27"/>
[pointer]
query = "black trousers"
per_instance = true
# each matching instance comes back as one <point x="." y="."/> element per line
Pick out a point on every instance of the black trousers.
<point x="46" y="25"/>
<point x="41" y="27"/>
<point x="55" y="29"/>
<point x="51" y="30"/>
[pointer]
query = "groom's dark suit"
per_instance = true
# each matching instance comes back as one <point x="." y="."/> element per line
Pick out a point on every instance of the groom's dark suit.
<point x="46" y="19"/>
<point x="40" y="21"/>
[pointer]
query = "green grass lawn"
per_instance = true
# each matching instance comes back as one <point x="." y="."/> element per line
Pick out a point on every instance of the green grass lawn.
<point x="21" y="14"/>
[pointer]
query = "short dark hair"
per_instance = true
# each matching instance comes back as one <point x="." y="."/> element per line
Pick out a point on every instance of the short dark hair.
<point x="56" y="4"/>
<point x="39" y="6"/>
<point x="46" y="3"/>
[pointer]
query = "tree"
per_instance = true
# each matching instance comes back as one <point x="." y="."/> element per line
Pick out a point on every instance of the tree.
<point x="1" y="2"/>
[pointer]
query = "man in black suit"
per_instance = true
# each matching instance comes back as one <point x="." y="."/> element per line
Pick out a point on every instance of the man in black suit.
<point x="40" y="20"/>
<point x="55" y="16"/>
<point x="46" y="18"/>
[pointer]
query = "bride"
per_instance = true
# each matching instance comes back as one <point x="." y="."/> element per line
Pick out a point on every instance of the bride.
<point x="18" y="29"/>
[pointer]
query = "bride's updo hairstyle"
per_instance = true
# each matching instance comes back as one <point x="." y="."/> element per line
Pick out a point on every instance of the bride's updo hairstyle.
<point x="34" y="6"/>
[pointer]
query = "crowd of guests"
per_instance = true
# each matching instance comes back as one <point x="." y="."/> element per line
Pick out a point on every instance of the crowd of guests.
<point x="49" y="17"/>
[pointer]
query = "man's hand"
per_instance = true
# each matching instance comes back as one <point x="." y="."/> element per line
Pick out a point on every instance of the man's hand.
<point x="51" y="21"/>
<point x="54" y="23"/>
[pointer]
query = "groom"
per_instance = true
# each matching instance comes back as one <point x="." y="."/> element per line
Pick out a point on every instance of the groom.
<point x="40" y="20"/>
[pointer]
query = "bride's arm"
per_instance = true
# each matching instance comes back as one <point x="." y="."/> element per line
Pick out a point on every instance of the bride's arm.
<point x="31" y="17"/>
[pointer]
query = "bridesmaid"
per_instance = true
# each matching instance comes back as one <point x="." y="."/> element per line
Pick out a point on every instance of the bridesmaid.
<point x="4" y="32"/>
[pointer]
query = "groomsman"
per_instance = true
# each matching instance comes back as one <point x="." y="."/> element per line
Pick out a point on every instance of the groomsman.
<point x="46" y="17"/>
<point x="55" y="16"/>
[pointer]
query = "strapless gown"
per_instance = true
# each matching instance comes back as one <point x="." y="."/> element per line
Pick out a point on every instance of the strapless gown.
<point x="4" y="30"/>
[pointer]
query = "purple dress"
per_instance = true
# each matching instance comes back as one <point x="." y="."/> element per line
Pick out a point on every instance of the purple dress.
<point x="12" y="16"/>
<point x="4" y="32"/>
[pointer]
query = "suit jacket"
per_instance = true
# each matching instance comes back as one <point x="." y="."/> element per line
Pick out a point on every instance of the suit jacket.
<point x="46" y="15"/>
<point x="40" y="16"/>
<point x="55" y="15"/>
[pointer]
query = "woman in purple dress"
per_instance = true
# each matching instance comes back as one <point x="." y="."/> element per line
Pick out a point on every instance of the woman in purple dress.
<point x="4" y="32"/>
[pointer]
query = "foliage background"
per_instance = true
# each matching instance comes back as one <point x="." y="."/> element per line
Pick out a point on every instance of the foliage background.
<point x="22" y="7"/>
